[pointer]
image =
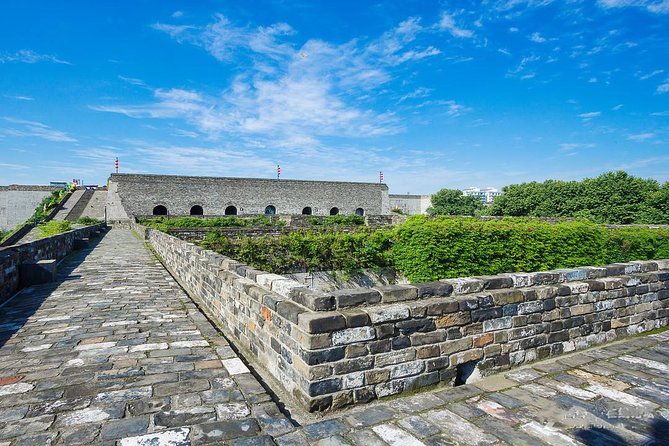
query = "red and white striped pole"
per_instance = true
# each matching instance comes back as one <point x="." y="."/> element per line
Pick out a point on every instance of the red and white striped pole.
<point x="278" y="172"/>
<point x="380" y="177"/>
<point x="116" y="164"/>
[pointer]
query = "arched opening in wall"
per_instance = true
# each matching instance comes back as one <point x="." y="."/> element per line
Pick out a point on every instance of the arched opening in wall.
<point x="160" y="210"/>
<point x="231" y="210"/>
<point x="360" y="212"/>
<point x="196" y="210"/>
<point x="306" y="211"/>
<point x="270" y="210"/>
<point x="334" y="211"/>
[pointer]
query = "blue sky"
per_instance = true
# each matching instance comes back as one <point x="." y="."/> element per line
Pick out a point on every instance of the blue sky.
<point x="434" y="94"/>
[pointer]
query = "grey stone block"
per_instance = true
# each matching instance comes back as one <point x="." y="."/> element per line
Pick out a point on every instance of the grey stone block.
<point x="36" y="273"/>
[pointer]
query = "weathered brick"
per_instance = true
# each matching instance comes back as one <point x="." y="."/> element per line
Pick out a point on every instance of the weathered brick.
<point x="321" y="322"/>
<point x="357" y="296"/>
<point x="397" y="293"/>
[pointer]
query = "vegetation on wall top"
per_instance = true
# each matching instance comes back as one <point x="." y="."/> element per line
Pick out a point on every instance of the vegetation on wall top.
<point x="424" y="249"/>
<point x="613" y="197"/>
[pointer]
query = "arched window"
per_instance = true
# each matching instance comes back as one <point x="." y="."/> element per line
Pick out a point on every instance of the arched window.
<point x="306" y="211"/>
<point x="334" y="211"/>
<point x="196" y="210"/>
<point x="360" y="212"/>
<point x="160" y="210"/>
<point x="231" y="210"/>
<point x="270" y="210"/>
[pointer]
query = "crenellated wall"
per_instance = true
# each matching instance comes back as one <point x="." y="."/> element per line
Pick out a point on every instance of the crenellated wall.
<point x="352" y="346"/>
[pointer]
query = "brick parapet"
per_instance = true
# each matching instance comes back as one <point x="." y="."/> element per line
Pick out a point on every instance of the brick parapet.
<point x="55" y="247"/>
<point x="352" y="346"/>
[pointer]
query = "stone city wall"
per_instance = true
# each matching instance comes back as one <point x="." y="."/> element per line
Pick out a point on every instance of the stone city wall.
<point x="55" y="247"/>
<point x="18" y="202"/>
<point x="352" y="346"/>
<point x="139" y="194"/>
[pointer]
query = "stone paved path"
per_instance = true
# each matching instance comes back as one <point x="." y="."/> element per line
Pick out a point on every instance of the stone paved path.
<point x="116" y="353"/>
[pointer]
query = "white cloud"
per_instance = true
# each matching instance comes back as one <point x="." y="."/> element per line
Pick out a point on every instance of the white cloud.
<point x="36" y="130"/>
<point x="590" y="115"/>
<point x="653" y="6"/>
<point x="447" y="23"/>
<point x="617" y="107"/>
<point x="30" y="57"/>
<point x="537" y="38"/>
<point x="663" y="88"/>
<point x="662" y="113"/>
<point x="289" y="90"/>
<point x="420" y="92"/>
<point x="177" y="14"/>
<point x="132" y="81"/>
<point x="20" y="97"/>
<point x="573" y="147"/>
<point x="641" y="136"/>
<point x="592" y="80"/>
<point x="513" y="29"/>
<point x="644" y="76"/>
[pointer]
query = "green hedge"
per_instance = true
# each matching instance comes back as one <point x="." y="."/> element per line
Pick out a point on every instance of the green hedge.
<point x="425" y="249"/>
<point x="54" y="227"/>
<point x="165" y="223"/>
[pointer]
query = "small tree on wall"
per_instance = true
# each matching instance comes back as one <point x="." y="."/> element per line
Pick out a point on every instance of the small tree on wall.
<point x="454" y="202"/>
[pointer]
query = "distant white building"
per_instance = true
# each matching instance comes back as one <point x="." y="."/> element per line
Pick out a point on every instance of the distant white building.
<point x="486" y="195"/>
<point x="411" y="204"/>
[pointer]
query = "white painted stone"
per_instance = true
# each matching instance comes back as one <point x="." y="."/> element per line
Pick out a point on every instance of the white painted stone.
<point x="232" y="411"/>
<point x="174" y="437"/>
<point x="660" y="367"/>
<point x="235" y="366"/>
<point x="574" y="391"/>
<point x="74" y="362"/>
<point x="351" y="335"/>
<point x="548" y="434"/>
<point x="134" y="393"/>
<point x="54" y="318"/>
<point x="84" y="416"/>
<point x="459" y="429"/>
<point x="36" y="348"/>
<point x="10" y="389"/>
<point x="621" y="397"/>
<point x="388" y="313"/>
<point x="62" y="329"/>
<point x="148" y="347"/>
<point x="540" y="390"/>
<point x="97" y="346"/>
<point x="188" y="344"/>
<point x="118" y="323"/>
<point x="353" y="380"/>
<point x="395" y="436"/>
<point x="283" y="287"/>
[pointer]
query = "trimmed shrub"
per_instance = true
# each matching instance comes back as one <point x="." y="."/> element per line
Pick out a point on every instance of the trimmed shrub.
<point x="54" y="227"/>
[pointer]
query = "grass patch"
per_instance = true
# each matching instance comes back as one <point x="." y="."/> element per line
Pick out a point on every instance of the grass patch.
<point x="54" y="227"/>
<point x="88" y="221"/>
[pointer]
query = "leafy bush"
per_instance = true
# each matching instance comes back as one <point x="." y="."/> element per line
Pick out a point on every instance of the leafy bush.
<point x="338" y="220"/>
<point x="54" y="227"/>
<point x="164" y="223"/>
<point x="613" y="197"/>
<point x="455" y="202"/>
<point x="88" y="221"/>
<point x="305" y="250"/>
<point x="424" y="249"/>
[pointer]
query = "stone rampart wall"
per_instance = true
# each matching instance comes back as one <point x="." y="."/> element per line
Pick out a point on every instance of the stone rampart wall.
<point x="18" y="202"/>
<point x="50" y="248"/>
<point x="139" y="194"/>
<point x="352" y="346"/>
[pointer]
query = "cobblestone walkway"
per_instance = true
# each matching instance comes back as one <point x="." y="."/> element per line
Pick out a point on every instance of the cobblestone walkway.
<point x="116" y="354"/>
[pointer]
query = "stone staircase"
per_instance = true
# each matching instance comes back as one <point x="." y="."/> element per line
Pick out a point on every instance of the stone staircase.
<point x="95" y="208"/>
<point x="66" y="208"/>
<point x="79" y="208"/>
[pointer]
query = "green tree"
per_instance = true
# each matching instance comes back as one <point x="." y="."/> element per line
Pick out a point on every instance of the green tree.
<point x="454" y="202"/>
